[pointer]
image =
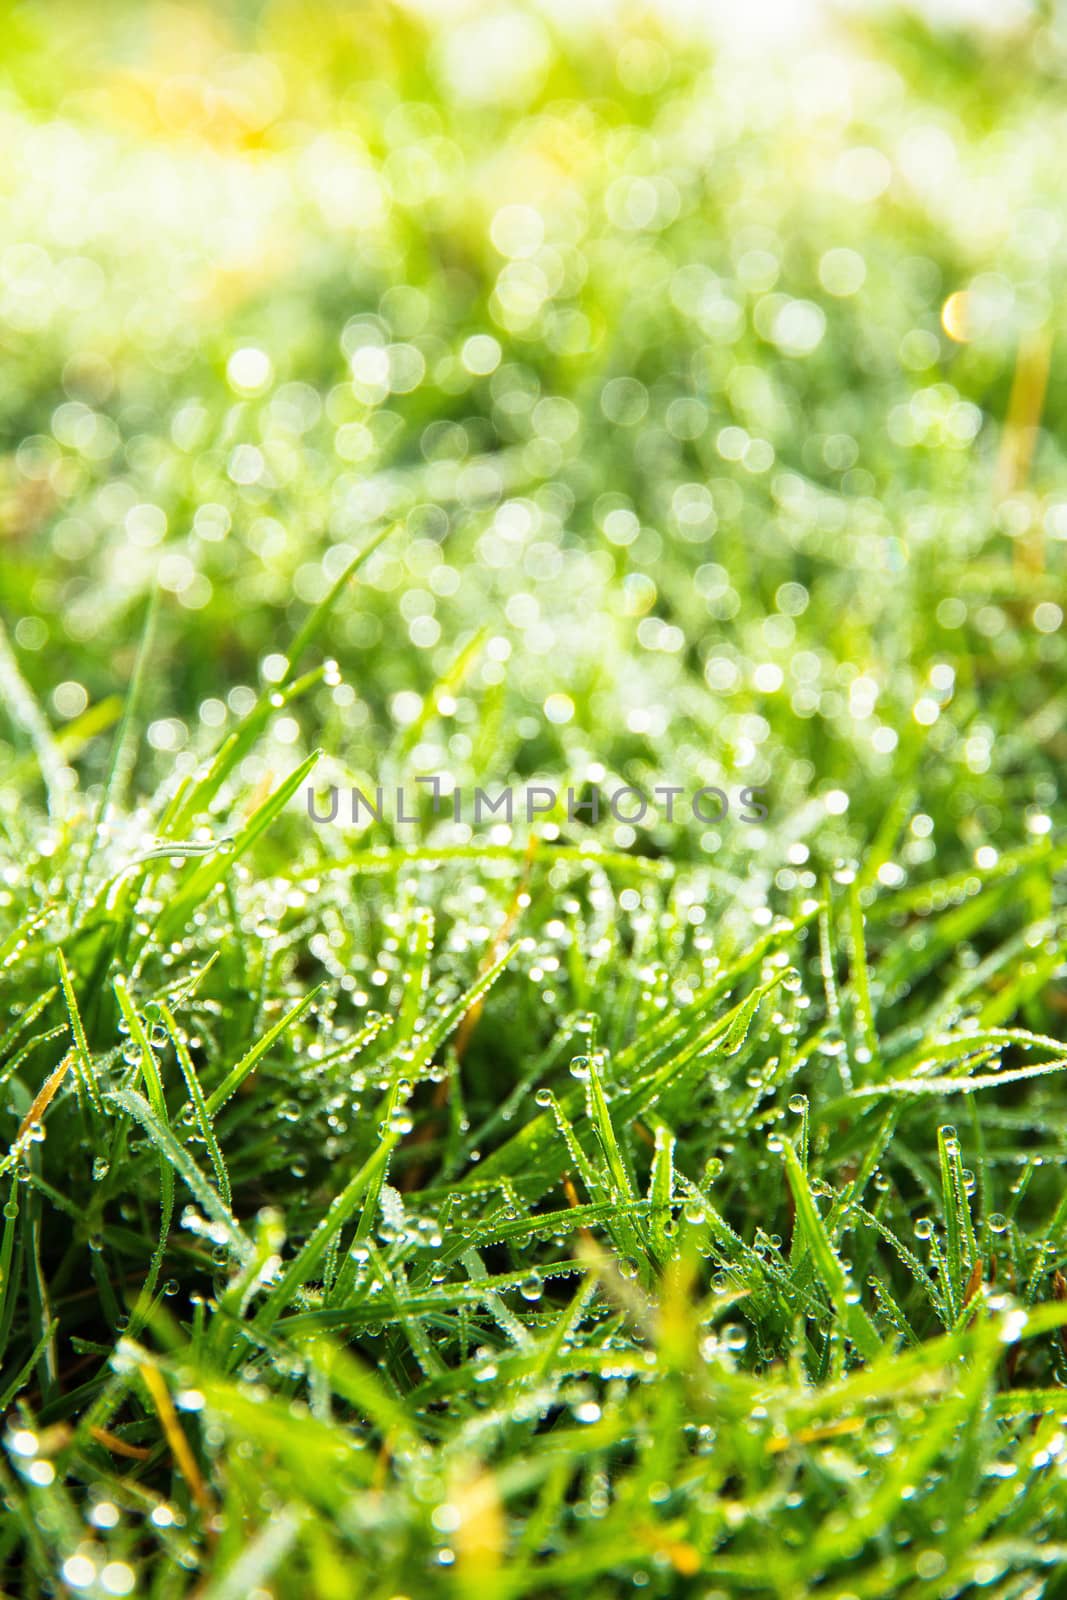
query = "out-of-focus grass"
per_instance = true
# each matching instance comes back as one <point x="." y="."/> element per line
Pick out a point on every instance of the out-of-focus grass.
<point x="698" y="422"/>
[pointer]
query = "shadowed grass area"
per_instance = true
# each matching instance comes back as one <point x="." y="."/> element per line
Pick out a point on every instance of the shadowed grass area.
<point x="593" y="1198"/>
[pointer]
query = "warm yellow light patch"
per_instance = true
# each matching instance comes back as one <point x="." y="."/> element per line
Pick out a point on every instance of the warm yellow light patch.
<point x="684" y="1559"/>
<point x="481" y="1535"/>
<point x="955" y="316"/>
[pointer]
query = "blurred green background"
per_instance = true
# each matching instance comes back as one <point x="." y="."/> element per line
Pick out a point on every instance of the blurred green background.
<point x="712" y="398"/>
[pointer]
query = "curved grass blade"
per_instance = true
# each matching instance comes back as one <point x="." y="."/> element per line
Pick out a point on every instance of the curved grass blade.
<point x="177" y="1159"/>
<point x="196" y="1094"/>
<point x="201" y="882"/>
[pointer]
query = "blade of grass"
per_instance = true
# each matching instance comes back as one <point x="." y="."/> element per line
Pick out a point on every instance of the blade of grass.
<point x="83" y="1061"/>
<point x="855" y="1320"/>
<point x="122" y="755"/>
<point x="200" y="883"/>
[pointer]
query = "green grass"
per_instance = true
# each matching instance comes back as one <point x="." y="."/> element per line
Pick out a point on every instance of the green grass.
<point x="425" y="1211"/>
